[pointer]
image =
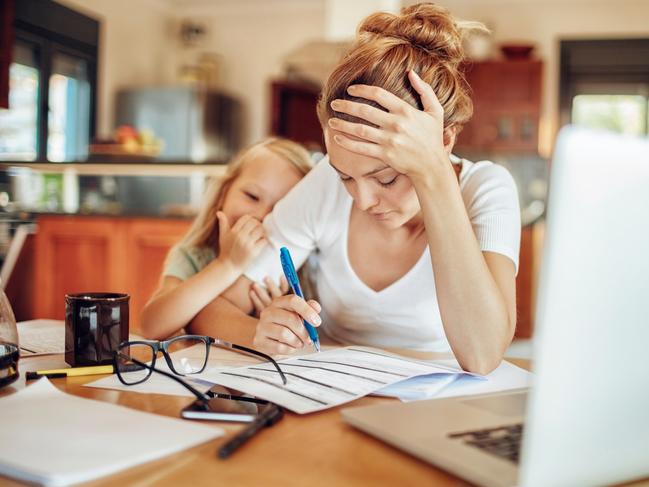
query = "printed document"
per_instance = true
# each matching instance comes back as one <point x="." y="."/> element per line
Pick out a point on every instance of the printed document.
<point x="326" y="379"/>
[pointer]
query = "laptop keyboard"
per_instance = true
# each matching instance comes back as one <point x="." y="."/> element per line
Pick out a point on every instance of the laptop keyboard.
<point x="504" y="441"/>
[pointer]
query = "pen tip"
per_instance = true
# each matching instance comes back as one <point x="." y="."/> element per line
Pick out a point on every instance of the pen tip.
<point x="316" y="346"/>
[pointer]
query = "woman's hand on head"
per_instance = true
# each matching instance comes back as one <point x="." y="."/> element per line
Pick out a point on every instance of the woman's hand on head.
<point x="411" y="141"/>
<point x="280" y="330"/>
<point x="262" y="296"/>
<point x="241" y="243"/>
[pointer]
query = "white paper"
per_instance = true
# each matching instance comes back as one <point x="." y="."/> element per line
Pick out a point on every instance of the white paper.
<point x="53" y="438"/>
<point x="507" y="376"/>
<point x="323" y="380"/>
<point x="41" y="337"/>
<point x="418" y="388"/>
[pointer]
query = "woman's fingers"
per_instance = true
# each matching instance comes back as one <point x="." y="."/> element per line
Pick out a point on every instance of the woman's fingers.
<point x="285" y="335"/>
<point x="428" y="98"/>
<point x="359" y="130"/>
<point x="383" y="97"/>
<point x="359" y="147"/>
<point x="273" y="347"/>
<point x="315" y="305"/>
<point x="281" y="329"/>
<point x="284" y="326"/>
<point x="300" y="308"/>
<point x="363" y="111"/>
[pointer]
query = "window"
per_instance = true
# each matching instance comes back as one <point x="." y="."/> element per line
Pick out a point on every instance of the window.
<point x="605" y="85"/>
<point x="19" y="124"/>
<point x="625" y="114"/>
<point x="68" y="125"/>
<point x="52" y="93"/>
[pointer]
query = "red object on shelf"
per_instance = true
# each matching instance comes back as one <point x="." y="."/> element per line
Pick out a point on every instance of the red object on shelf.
<point x="517" y="51"/>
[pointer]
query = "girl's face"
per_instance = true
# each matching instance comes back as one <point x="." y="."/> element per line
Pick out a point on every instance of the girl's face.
<point x="264" y="179"/>
<point x="378" y="190"/>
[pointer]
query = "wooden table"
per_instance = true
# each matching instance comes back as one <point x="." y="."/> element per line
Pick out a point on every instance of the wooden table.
<point x="315" y="449"/>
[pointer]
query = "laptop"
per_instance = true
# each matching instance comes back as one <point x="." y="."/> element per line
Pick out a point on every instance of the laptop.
<point x="586" y="419"/>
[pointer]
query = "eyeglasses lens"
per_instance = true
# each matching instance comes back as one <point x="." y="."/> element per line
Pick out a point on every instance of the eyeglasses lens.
<point x="131" y="372"/>
<point x="188" y="355"/>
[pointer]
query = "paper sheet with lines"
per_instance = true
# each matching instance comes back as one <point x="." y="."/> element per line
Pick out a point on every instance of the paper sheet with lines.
<point x="326" y="379"/>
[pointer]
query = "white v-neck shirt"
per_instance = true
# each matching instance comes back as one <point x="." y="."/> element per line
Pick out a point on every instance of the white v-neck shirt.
<point x="314" y="217"/>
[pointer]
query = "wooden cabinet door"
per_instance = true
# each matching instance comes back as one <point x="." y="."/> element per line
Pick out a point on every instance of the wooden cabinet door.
<point x="146" y="246"/>
<point x="74" y="255"/>
<point x="507" y="107"/>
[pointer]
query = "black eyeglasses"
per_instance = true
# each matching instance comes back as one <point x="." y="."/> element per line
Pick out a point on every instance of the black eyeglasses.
<point x="130" y="359"/>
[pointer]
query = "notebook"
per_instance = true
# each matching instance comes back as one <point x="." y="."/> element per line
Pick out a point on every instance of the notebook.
<point x="53" y="438"/>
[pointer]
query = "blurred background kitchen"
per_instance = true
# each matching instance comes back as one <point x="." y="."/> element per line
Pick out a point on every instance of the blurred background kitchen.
<point x="114" y="114"/>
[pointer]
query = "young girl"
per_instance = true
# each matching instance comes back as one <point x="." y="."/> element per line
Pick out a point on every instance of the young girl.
<point x="415" y="248"/>
<point x="225" y="236"/>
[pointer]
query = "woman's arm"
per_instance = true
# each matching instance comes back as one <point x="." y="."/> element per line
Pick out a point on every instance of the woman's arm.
<point x="476" y="290"/>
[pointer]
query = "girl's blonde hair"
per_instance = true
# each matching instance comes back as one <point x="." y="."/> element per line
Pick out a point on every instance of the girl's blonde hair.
<point x="424" y="38"/>
<point x="205" y="228"/>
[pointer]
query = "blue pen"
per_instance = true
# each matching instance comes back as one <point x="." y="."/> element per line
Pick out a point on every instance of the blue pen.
<point x="291" y="277"/>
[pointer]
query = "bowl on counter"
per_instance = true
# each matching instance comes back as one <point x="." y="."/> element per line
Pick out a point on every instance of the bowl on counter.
<point x="517" y="51"/>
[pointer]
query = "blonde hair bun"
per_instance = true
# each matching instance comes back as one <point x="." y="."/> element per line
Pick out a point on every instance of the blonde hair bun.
<point x="426" y="26"/>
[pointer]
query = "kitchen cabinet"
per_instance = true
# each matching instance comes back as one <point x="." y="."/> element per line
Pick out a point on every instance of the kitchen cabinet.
<point x="527" y="279"/>
<point x="95" y="254"/>
<point x="6" y="43"/>
<point x="293" y="113"/>
<point x="507" y="107"/>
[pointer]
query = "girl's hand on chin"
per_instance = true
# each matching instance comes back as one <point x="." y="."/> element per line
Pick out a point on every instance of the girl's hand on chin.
<point x="409" y="140"/>
<point x="241" y="243"/>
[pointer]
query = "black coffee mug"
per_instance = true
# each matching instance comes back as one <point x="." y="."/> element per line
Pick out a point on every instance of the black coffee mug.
<point x="95" y="325"/>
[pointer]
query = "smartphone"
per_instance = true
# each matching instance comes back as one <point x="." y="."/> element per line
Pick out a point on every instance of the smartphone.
<point x="227" y="405"/>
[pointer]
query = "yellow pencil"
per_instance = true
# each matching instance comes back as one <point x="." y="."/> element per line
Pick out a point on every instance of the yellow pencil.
<point x="72" y="371"/>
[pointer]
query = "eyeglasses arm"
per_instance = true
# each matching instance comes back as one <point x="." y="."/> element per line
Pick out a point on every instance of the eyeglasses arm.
<point x="193" y="390"/>
<point x="252" y="351"/>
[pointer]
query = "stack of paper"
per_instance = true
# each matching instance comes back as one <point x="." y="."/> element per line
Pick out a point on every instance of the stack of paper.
<point x="41" y="337"/>
<point x="53" y="438"/>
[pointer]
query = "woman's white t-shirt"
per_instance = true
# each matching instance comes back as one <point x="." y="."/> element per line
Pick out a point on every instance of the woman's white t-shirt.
<point x="314" y="217"/>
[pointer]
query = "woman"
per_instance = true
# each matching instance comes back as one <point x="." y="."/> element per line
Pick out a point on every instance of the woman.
<point x="414" y="247"/>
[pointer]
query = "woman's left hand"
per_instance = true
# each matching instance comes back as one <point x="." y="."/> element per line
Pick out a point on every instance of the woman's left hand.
<point x="409" y="140"/>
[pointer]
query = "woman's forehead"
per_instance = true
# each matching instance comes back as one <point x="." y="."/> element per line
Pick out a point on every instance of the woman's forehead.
<point x="348" y="162"/>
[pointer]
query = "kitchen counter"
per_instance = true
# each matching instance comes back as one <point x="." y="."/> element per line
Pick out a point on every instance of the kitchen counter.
<point x="129" y="189"/>
<point x="119" y="168"/>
